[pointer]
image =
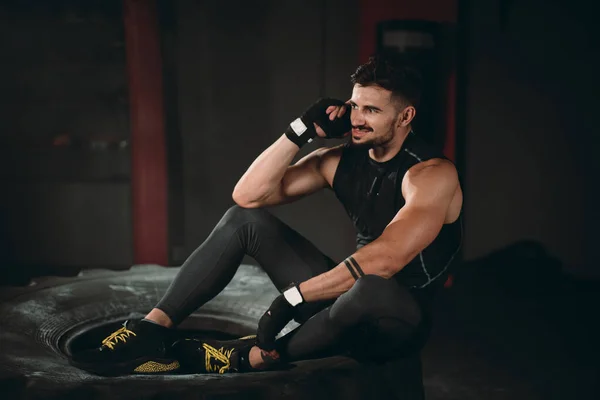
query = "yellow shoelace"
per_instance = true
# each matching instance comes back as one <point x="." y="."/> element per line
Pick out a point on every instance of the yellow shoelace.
<point x="221" y="355"/>
<point x="121" y="334"/>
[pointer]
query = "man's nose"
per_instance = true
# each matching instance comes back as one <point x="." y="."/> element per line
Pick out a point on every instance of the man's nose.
<point x="356" y="118"/>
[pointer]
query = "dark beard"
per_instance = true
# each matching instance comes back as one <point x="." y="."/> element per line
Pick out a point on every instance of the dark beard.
<point x="360" y="146"/>
<point x="379" y="141"/>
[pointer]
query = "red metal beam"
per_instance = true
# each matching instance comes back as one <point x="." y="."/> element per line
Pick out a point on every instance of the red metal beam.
<point x="147" y="121"/>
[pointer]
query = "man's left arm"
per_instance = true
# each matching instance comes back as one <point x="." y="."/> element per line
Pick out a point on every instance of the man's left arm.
<point x="428" y="192"/>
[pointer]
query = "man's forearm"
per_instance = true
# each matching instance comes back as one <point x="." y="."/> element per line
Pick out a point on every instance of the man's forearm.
<point x="266" y="172"/>
<point x="371" y="259"/>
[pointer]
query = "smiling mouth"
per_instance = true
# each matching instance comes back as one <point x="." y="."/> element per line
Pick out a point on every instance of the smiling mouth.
<point x="360" y="132"/>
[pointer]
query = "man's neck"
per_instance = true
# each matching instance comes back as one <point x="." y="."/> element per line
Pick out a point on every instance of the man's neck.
<point x="389" y="150"/>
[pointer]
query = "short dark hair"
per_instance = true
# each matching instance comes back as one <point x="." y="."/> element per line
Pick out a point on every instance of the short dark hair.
<point x="394" y="72"/>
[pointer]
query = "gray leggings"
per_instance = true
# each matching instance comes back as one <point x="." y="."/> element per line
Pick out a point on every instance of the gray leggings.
<point x="375" y="319"/>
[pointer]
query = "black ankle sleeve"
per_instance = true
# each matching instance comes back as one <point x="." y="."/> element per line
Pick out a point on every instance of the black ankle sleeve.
<point x="244" y="355"/>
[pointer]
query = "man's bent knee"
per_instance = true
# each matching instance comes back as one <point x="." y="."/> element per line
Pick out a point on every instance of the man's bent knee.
<point x="238" y="216"/>
<point x="355" y="305"/>
<point x="371" y="287"/>
<point x="370" y="281"/>
<point x="373" y="296"/>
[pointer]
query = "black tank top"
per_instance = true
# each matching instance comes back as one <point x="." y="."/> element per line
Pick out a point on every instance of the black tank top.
<point x="372" y="195"/>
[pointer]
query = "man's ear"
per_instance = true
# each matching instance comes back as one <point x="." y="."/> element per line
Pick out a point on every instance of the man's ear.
<point x="406" y="116"/>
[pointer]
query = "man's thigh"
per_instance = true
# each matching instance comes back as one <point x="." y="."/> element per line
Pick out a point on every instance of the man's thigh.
<point x="283" y="253"/>
<point x="392" y="322"/>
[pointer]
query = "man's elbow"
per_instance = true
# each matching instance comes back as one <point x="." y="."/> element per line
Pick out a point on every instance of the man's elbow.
<point x="240" y="198"/>
<point x="391" y="264"/>
<point x="389" y="270"/>
<point x="244" y="202"/>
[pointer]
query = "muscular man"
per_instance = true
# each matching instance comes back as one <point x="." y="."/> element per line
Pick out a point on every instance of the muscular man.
<point x="405" y="200"/>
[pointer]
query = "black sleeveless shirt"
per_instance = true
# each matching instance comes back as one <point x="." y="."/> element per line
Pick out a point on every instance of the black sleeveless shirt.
<point x="371" y="193"/>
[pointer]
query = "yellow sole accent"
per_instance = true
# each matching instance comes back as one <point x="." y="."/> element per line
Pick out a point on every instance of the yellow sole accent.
<point x="152" y="366"/>
<point x="220" y="355"/>
<point x="247" y="337"/>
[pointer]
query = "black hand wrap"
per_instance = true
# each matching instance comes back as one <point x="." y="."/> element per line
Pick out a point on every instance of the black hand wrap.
<point x="273" y="321"/>
<point x="302" y="130"/>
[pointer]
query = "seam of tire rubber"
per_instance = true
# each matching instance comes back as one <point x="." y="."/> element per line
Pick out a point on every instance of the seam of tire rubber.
<point x="72" y="280"/>
<point x="224" y="310"/>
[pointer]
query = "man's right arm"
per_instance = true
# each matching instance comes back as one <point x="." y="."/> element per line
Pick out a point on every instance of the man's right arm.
<point x="271" y="180"/>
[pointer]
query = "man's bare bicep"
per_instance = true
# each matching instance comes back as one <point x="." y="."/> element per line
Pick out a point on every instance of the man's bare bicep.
<point x="301" y="179"/>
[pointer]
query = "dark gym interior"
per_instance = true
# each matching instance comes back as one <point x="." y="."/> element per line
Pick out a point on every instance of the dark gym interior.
<point x="518" y="100"/>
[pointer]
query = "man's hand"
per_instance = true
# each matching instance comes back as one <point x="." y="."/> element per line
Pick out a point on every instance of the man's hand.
<point x="281" y="311"/>
<point x="338" y="116"/>
<point x="320" y="119"/>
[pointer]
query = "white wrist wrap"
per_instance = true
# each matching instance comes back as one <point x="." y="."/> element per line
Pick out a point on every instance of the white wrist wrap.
<point x="298" y="126"/>
<point x="293" y="296"/>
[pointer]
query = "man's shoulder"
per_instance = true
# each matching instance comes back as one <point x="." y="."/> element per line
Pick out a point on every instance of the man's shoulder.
<point x="332" y="153"/>
<point x="329" y="161"/>
<point x="432" y="170"/>
<point x="435" y="162"/>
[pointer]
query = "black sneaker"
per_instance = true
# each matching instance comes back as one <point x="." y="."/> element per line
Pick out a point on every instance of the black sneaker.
<point x="211" y="356"/>
<point x="137" y="348"/>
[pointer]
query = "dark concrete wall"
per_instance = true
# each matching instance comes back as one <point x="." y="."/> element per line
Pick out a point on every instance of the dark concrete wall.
<point x="62" y="77"/>
<point x="243" y="73"/>
<point x="234" y="78"/>
<point x="533" y="91"/>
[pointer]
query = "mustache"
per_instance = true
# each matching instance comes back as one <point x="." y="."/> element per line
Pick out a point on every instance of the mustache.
<point x="362" y="127"/>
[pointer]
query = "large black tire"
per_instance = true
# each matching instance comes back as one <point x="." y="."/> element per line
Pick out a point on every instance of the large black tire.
<point x="41" y="322"/>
